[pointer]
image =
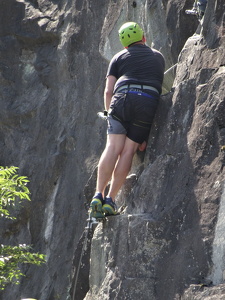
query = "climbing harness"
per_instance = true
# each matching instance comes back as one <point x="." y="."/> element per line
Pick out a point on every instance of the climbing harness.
<point x="104" y="115"/>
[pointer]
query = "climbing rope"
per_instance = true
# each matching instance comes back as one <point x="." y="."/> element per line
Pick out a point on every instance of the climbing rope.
<point x="88" y="232"/>
<point x="171" y="68"/>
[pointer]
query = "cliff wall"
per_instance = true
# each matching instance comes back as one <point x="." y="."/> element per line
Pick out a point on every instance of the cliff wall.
<point x="168" y="243"/>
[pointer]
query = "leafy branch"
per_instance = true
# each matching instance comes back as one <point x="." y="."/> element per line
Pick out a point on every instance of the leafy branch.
<point x="13" y="188"/>
<point x="11" y="257"/>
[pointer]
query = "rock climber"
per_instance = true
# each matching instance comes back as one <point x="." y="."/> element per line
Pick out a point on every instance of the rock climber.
<point x="132" y="90"/>
<point x="198" y="8"/>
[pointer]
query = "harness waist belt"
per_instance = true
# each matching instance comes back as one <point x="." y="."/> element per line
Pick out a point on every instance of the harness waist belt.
<point x="141" y="94"/>
<point x="137" y="86"/>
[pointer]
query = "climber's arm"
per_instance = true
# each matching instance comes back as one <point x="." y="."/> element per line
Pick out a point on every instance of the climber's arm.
<point x="109" y="87"/>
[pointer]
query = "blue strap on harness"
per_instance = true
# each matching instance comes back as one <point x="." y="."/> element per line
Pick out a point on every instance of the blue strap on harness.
<point x="141" y="94"/>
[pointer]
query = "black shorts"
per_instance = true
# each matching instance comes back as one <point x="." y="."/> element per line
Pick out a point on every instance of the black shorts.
<point x="135" y="111"/>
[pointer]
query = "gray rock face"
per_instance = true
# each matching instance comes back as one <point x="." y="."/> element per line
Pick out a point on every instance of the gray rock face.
<point x="168" y="242"/>
<point x="124" y="268"/>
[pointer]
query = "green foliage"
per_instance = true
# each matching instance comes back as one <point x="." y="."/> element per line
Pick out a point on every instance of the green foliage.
<point x="13" y="188"/>
<point x="11" y="257"/>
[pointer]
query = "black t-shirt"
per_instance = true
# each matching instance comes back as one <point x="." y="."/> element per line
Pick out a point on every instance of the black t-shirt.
<point x="138" y="64"/>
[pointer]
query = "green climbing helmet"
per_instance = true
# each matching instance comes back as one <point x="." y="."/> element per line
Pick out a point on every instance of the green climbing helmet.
<point x="130" y="33"/>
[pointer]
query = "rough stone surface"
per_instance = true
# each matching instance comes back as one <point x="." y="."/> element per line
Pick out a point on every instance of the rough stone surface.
<point x="168" y="242"/>
<point x="124" y="268"/>
<point x="199" y="292"/>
